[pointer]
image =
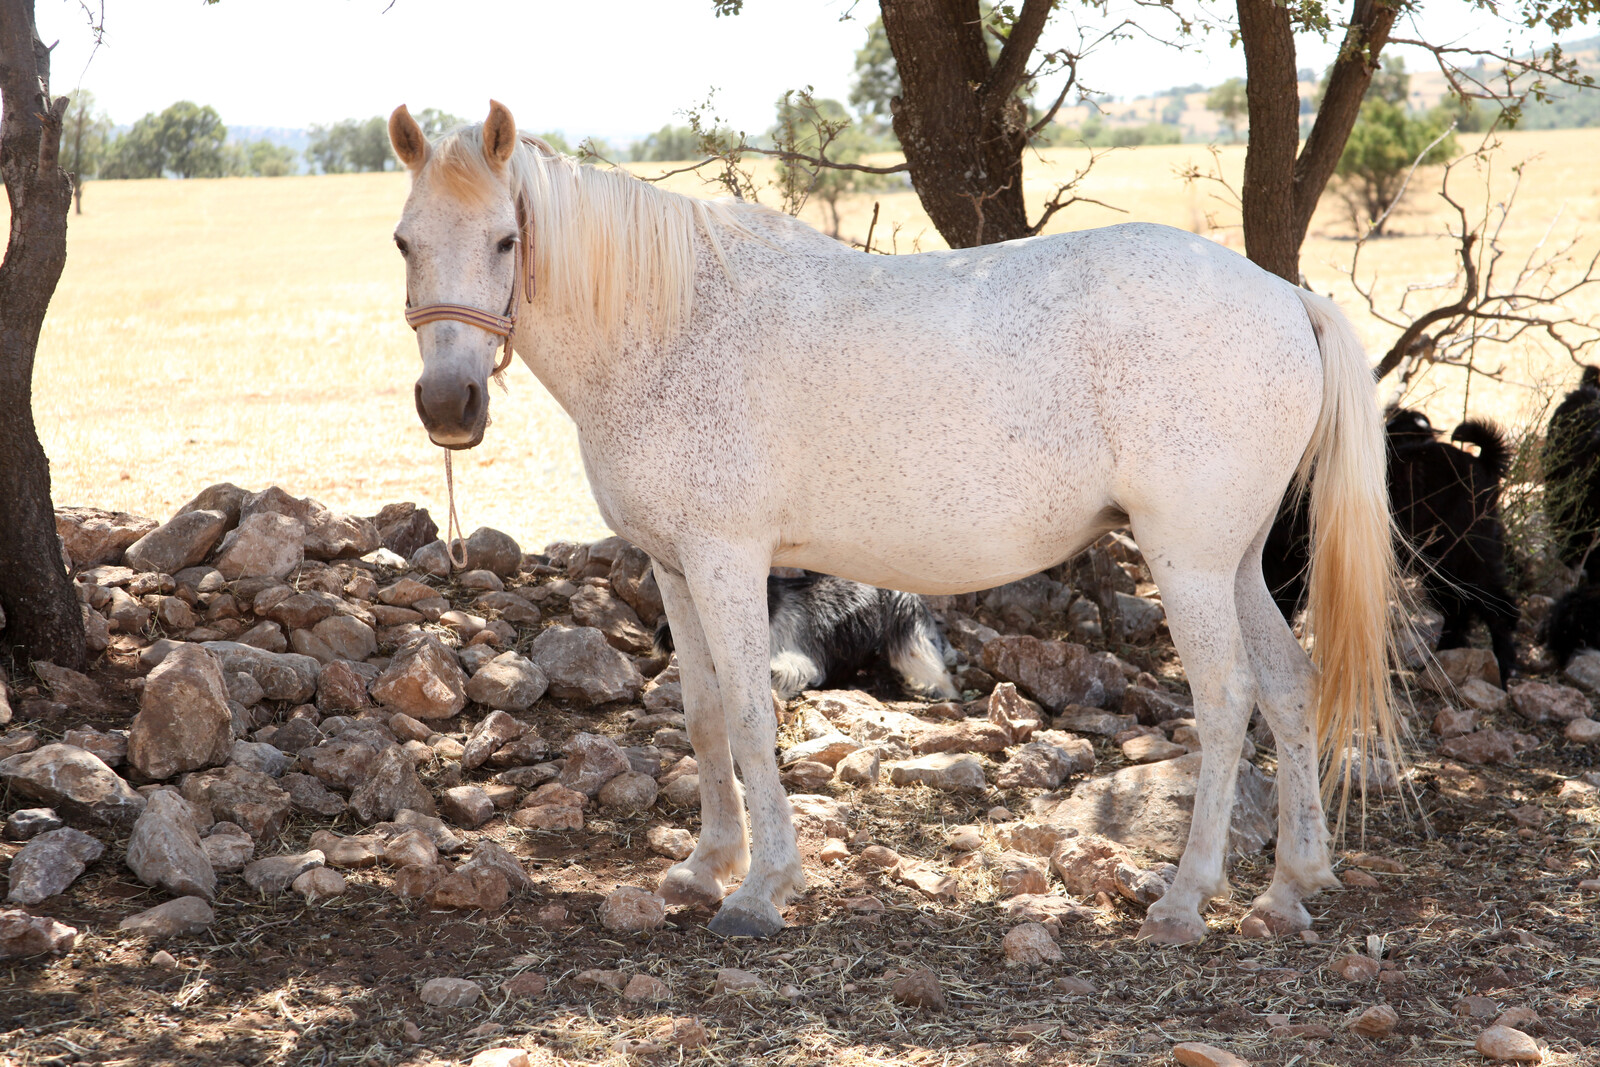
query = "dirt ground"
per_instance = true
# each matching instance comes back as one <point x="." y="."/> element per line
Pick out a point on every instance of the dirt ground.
<point x="1486" y="904"/>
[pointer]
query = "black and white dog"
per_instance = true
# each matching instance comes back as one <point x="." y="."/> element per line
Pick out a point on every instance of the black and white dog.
<point x="823" y="629"/>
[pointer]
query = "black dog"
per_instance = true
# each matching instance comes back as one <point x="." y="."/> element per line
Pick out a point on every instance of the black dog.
<point x="1571" y="458"/>
<point x="824" y="629"/>
<point x="1446" y="505"/>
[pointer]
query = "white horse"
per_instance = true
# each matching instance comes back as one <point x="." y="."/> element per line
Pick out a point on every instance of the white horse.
<point x="751" y="393"/>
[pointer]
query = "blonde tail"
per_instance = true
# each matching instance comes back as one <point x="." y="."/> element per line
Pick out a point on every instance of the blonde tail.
<point x="1353" y="572"/>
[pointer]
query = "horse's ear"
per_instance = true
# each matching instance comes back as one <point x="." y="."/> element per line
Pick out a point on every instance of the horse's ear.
<point x="499" y="134"/>
<point x="407" y="138"/>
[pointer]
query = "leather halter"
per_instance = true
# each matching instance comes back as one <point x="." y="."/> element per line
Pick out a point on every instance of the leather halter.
<point x="499" y="325"/>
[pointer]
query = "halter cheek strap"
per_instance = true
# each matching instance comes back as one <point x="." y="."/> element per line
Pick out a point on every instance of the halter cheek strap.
<point x="499" y="325"/>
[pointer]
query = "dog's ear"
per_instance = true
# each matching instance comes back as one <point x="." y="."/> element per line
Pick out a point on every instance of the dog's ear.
<point x="1591" y="376"/>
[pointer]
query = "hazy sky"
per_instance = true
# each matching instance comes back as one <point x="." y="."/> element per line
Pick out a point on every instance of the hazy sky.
<point x="614" y="68"/>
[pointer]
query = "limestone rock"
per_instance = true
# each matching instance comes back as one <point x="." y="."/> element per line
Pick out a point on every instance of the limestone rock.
<point x="183" y="722"/>
<point x="392" y="785"/>
<point x="1377" y="1022"/>
<point x="946" y="771"/>
<point x="509" y="681"/>
<point x="919" y="989"/>
<point x="632" y="910"/>
<point x="423" y="680"/>
<point x="1042" y="765"/>
<point x="450" y="992"/>
<point x="318" y="884"/>
<point x="597" y="606"/>
<point x="1453" y="668"/>
<point x="1542" y="702"/>
<point x="73" y="780"/>
<point x="468" y="805"/>
<point x="24" y="935"/>
<point x="489" y="856"/>
<point x="93" y="536"/>
<point x="860" y="767"/>
<point x="583" y="668"/>
<point x="49" y="863"/>
<point x="735" y="980"/>
<point x="111" y="746"/>
<point x="249" y="798"/>
<point x="281" y="675"/>
<point x="490" y="550"/>
<point x="592" y="761"/>
<point x="631" y="791"/>
<point x="274" y="874"/>
<point x="1486" y="746"/>
<point x="1199" y="1054"/>
<point x="307" y="794"/>
<point x="477" y="889"/>
<point x="1149" y="806"/>
<point x="1503" y="1044"/>
<point x="1479" y="695"/>
<point x="404" y="528"/>
<point x="186" y="915"/>
<point x="1584" y="668"/>
<point x="1087" y="864"/>
<point x="496" y="730"/>
<point x="228" y="852"/>
<point x="1056" y="673"/>
<point x="670" y="841"/>
<point x="27" y="823"/>
<point x="1030" y="945"/>
<point x="1151" y="749"/>
<point x="264" y="544"/>
<point x="164" y="849"/>
<point x="182" y="542"/>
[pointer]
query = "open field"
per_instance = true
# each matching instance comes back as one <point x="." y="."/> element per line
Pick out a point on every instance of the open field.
<point x="249" y="330"/>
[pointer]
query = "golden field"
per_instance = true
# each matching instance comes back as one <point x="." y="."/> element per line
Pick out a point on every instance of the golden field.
<point x="250" y="330"/>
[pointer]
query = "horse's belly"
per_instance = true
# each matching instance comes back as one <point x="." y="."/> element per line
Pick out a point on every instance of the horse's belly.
<point x="948" y="539"/>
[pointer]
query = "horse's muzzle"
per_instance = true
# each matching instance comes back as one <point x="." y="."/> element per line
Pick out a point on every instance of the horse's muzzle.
<point x="454" y="413"/>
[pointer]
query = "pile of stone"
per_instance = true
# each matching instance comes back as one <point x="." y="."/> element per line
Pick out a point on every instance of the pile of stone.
<point x="296" y="661"/>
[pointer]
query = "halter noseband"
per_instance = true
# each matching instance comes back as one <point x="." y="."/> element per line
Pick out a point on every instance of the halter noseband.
<point x="499" y="325"/>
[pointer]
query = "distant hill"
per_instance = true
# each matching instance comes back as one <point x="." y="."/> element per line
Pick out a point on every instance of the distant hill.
<point x="1183" y="109"/>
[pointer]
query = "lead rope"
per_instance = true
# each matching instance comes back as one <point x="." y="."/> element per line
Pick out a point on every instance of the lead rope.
<point x="452" y="530"/>
<point x="503" y="324"/>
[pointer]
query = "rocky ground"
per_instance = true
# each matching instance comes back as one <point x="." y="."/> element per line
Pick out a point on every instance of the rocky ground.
<point x="321" y="799"/>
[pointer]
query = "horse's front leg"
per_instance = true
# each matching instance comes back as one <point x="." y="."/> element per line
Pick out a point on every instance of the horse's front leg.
<point x="723" y="851"/>
<point x="729" y="587"/>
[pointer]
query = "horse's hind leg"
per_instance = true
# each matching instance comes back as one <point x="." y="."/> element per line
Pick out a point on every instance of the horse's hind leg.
<point x="1197" y="588"/>
<point x="723" y="851"/>
<point x="728" y="585"/>
<point x="1286" y="693"/>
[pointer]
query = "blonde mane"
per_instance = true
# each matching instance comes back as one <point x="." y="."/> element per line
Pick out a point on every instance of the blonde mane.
<point x="610" y="252"/>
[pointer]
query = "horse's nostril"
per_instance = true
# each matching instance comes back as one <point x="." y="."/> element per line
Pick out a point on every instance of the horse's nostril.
<point x="474" y="406"/>
<point x="422" y="412"/>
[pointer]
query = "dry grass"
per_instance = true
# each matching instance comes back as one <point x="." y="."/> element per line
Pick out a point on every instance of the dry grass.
<point x="249" y="330"/>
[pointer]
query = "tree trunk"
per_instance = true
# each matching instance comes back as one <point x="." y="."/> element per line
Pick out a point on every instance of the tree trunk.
<point x="1281" y="190"/>
<point x="1273" y="93"/>
<point x="42" y="617"/>
<point x="958" y="118"/>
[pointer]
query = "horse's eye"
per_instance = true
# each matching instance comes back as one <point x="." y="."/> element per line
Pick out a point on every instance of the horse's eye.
<point x="507" y="244"/>
<point x="400" y="243"/>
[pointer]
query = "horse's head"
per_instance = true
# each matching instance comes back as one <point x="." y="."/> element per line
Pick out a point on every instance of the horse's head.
<point x="459" y="234"/>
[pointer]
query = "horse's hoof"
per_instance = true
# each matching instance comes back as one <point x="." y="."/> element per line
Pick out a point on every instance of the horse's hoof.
<point x="733" y="921"/>
<point x="1172" y="932"/>
<point x="681" y="886"/>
